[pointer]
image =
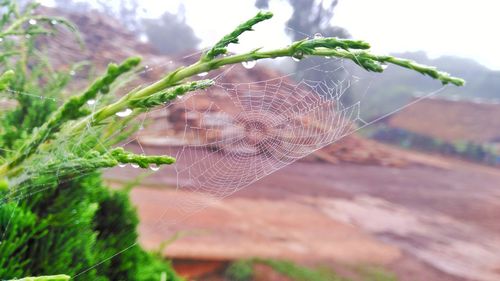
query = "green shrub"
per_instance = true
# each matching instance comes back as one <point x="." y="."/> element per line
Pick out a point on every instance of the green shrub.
<point x="241" y="270"/>
<point x="300" y="273"/>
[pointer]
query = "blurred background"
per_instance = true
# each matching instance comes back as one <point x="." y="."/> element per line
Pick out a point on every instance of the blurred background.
<point x="412" y="193"/>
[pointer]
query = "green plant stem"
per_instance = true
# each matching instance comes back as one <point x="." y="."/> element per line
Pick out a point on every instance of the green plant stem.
<point x="183" y="73"/>
<point x="60" y="277"/>
<point x="13" y="29"/>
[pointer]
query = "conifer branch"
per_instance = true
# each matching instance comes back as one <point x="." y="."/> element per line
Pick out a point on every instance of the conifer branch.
<point x="220" y="47"/>
<point x="60" y="277"/>
<point x="72" y="110"/>
<point x="170" y="94"/>
<point x="375" y="63"/>
<point x="5" y="79"/>
<point x="122" y="156"/>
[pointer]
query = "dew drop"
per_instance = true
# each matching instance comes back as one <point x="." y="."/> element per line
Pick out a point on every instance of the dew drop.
<point x="32" y="21"/>
<point x="121" y="165"/>
<point x="134" y="165"/>
<point x="202" y="74"/>
<point x="249" y="64"/>
<point x="72" y="73"/>
<point x="298" y="56"/>
<point x="91" y="102"/>
<point x="384" y="66"/>
<point x="124" y="113"/>
<point x="54" y="22"/>
<point x="154" y="167"/>
<point x="318" y="35"/>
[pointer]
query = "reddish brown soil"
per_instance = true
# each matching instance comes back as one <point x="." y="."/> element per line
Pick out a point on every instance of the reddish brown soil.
<point x="433" y="219"/>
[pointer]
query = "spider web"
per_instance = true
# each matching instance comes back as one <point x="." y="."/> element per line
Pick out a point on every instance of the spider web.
<point x="239" y="133"/>
<point x="230" y="136"/>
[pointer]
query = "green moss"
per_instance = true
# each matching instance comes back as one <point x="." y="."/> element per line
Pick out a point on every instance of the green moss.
<point x="243" y="270"/>
<point x="240" y="271"/>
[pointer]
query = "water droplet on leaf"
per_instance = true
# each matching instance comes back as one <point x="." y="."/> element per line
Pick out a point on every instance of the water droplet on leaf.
<point x="249" y="64"/>
<point x="72" y="73"/>
<point x="121" y="165"/>
<point x="32" y="21"/>
<point x="91" y="102"/>
<point x="202" y="74"/>
<point x="154" y="167"/>
<point x="318" y="35"/>
<point x="54" y="22"/>
<point x="134" y="165"/>
<point x="124" y="113"/>
<point x="298" y="56"/>
<point x="384" y="66"/>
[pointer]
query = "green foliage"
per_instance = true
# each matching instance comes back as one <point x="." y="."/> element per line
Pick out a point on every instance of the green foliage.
<point x="375" y="63"/>
<point x="14" y="22"/>
<point x="132" y="263"/>
<point x="18" y="226"/>
<point x="300" y="273"/>
<point x="170" y="94"/>
<point x="143" y="161"/>
<point x="241" y="270"/>
<point x="220" y="48"/>
<point x="75" y="225"/>
<point x="71" y="109"/>
<point x="6" y="79"/>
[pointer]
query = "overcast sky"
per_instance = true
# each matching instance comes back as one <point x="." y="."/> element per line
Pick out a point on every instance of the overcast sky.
<point x="439" y="27"/>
